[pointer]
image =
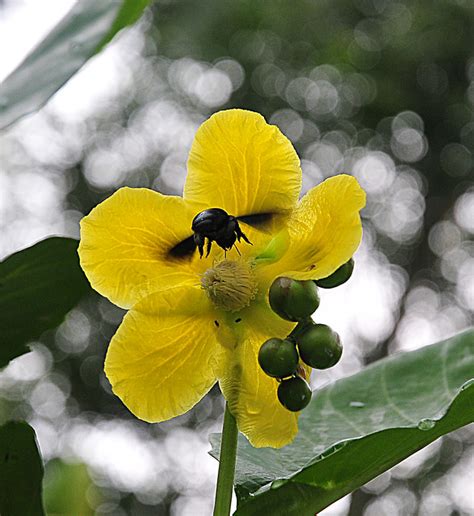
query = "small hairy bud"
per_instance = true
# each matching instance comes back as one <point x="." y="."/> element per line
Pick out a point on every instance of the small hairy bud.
<point x="230" y="285"/>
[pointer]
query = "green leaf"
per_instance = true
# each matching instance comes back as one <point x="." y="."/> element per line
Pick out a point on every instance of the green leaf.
<point x="38" y="286"/>
<point x="21" y="471"/>
<point x="359" y="427"/>
<point x="78" y="36"/>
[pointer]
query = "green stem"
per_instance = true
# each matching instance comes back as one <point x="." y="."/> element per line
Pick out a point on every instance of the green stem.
<point x="225" y="477"/>
<point x="301" y="327"/>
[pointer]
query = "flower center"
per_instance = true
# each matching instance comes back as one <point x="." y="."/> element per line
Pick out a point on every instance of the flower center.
<point x="230" y="285"/>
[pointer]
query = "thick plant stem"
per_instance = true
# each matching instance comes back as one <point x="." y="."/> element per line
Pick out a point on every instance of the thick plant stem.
<point x="225" y="477"/>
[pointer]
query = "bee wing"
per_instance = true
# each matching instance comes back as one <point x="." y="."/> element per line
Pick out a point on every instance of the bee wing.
<point x="261" y="221"/>
<point x="185" y="249"/>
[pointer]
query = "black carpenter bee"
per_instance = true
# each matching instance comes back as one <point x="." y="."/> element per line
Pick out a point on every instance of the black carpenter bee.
<point x="216" y="225"/>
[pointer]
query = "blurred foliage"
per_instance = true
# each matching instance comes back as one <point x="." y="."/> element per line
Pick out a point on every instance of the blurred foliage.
<point x="414" y="56"/>
<point x="21" y="471"/>
<point x="60" y="499"/>
<point x="81" y="33"/>
<point x="39" y="286"/>
<point x="382" y="90"/>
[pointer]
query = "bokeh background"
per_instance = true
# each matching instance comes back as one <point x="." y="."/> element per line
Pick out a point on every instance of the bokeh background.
<point x="380" y="89"/>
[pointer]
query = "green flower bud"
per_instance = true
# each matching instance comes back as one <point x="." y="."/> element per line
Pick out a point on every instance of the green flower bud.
<point x="319" y="346"/>
<point x="293" y="300"/>
<point x="294" y="394"/>
<point x="338" y="277"/>
<point x="278" y="358"/>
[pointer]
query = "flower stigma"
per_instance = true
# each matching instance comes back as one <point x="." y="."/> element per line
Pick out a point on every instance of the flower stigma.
<point x="231" y="285"/>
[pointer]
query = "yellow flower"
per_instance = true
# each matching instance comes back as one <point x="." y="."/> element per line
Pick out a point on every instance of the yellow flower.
<point x="195" y="321"/>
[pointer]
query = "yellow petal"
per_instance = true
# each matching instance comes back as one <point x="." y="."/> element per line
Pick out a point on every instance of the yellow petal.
<point x="250" y="393"/>
<point x="243" y="165"/>
<point x="163" y="358"/>
<point x="125" y="244"/>
<point x="325" y="231"/>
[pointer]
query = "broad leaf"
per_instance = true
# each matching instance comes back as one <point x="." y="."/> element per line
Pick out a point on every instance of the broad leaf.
<point x="79" y="35"/>
<point x="38" y="286"/>
<point x="21" y="471"/>
<point x="359" y="427"/>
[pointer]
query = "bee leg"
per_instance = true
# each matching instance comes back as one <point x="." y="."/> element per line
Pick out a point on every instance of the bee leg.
<point x="227" y="236"/>
<point x="209" y="245"/>
<point x="199" y="241"/>
<point x="240" y="234"/>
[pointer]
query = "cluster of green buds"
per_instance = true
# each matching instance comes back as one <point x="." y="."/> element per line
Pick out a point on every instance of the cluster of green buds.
<point x="316" y="345"/>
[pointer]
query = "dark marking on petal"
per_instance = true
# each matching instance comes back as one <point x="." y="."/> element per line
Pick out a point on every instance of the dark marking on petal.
<point x="238" y="320"/>
<point x="216" y="323"/>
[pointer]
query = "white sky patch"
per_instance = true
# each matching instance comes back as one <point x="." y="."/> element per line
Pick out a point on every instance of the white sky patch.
<point x="23" y="24"/>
